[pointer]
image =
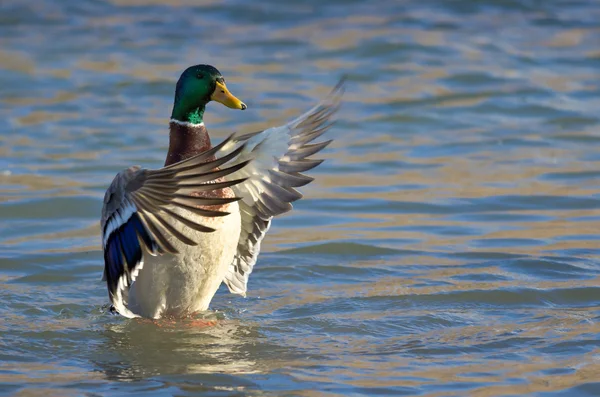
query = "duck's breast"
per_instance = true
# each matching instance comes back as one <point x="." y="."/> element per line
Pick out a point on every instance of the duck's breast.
<point x="184" y="283"/>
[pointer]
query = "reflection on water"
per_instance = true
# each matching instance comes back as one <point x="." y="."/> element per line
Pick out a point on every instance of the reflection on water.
<point x="138" y="349"/>
<point x="448" y="245"/>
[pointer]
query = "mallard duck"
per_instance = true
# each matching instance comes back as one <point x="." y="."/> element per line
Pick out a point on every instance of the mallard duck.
<point x="171" y="236"/>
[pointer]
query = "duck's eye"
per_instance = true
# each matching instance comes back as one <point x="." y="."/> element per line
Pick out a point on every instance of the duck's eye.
<point x="200" y="76"/>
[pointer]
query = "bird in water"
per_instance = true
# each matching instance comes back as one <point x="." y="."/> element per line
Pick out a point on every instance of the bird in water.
<point x="171" y="236"/>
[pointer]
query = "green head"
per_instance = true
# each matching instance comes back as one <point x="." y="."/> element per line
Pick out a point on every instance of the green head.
<point x="197" y="86"/>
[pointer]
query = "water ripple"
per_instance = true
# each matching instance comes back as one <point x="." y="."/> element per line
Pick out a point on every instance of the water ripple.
<point x="448" y="245"/>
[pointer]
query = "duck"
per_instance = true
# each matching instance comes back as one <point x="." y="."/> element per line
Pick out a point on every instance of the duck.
<point x="171" y="236"/>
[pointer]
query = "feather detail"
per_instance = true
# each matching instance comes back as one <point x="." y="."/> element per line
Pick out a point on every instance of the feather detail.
<point x="279" y="156"/>
<point x="139" y="212"/>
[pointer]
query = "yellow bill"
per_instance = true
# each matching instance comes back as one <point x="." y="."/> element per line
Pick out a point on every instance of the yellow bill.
<point x="222" y="95"/>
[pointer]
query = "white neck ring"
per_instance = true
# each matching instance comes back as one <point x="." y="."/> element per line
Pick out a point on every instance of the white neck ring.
<point x="186" y="123"/>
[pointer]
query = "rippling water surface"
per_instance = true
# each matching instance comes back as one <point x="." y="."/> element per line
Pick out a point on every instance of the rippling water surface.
<point x="448" y="246"/>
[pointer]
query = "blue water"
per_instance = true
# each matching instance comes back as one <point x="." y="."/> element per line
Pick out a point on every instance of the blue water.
<point x="448" y="246"/>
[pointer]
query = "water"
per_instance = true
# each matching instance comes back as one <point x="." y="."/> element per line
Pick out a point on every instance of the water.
<point x="448" y="246"/>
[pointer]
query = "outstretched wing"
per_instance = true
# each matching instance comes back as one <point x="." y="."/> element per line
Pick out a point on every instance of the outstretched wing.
<point x="139" y="211"/>
<point x="279" y="156"/>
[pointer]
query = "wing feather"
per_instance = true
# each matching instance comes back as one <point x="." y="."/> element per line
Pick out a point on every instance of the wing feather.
<point x="279" y="156"/>
<point x="139" y="212"/>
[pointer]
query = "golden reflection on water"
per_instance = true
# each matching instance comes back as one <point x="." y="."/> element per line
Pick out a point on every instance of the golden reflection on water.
<point x="182" y="348"/>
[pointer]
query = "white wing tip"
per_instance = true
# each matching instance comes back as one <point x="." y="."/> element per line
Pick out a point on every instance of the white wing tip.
<point x="235" y="289"/>
<point x="118" y="298"/>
